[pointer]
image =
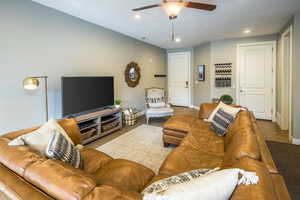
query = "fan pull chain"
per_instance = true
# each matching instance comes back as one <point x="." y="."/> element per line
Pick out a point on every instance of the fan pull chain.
<point x="173" y="31"/>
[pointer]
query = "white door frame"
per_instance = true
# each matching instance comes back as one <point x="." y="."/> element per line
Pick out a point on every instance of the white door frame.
<point x="189" y="73"/>
<point x="274" y="45"/>
<point x="289" y="32"/>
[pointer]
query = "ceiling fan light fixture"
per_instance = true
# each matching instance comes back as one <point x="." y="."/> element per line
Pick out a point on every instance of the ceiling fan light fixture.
<point x="173" y="8"/>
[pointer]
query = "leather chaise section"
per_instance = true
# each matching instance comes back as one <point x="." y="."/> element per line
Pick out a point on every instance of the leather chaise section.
<point x="202" y="138"/>
<point x="183" y="159"/>
<point x="181" y="123"/>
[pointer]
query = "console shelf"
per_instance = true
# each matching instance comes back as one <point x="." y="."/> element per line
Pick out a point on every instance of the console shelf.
<point x="99" y="124"/>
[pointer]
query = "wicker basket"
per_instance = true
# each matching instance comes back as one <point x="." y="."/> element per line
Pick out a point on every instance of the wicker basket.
<point x="130" y="119"/>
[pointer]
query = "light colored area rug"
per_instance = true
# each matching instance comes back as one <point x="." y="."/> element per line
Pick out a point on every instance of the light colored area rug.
<point x="143" y="145"/>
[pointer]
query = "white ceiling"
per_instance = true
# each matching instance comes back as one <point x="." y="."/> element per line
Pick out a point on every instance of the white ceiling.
<point x="193" y="26"/>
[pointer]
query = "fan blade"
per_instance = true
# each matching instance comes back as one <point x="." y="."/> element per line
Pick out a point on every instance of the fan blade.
<point x="146" y="7"/>
<point x="202" y="6"/>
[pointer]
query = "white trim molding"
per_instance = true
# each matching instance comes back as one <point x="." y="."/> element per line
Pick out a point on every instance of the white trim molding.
<point x="296" y="141"/>
<point x="274" y="67"/>
<point x="195" y="107"/>
<point x="284" y="123"/>
<point x="278" y="119"/>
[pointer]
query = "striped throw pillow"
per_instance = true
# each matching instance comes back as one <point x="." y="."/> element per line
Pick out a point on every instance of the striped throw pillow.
<point x="221" y="122"/>
<point x="59" y="148"/>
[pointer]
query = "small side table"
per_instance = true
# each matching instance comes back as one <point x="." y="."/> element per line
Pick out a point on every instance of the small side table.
<point x="130" y="116"/>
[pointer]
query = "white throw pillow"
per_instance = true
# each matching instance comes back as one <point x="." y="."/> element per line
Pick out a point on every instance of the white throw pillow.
<point x="40" y="138"/>
<point x="157" y="105"/>
<point x="214" y="186"/>
<point x="228" y="109"/>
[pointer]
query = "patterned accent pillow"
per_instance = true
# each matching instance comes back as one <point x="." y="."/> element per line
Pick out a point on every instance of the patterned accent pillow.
<point x="221" y="122"/>
<point x="59" y="148"/>
<point x="154" y="100"/>
<point x="164" y="184"/>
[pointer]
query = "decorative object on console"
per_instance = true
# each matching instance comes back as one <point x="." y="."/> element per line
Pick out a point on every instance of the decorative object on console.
<point x="156" y="105"/>
<point x="130" y="116"/>
<point x="201" y="72"/>
<point x="227" y="99"/>
<point x="59" y="148"/>
<point x="218" y="185"/>
<point x="34" y="139"/>
<point x="223" y="75"/>
<point x="118" y="103"/>
<point x="221" y="122"/>
<point x="32" y="83"/>
<point x="132" y="74"/>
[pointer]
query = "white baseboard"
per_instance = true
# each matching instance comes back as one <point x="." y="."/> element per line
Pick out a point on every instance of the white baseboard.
<point x="278" y="119"/>
<point x="195" y="107"/>
<point x="141" y="113"/>
<point x="296" y="141"/>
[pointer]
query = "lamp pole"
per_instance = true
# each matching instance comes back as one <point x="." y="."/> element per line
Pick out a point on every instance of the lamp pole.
<point x="46" y="94"/>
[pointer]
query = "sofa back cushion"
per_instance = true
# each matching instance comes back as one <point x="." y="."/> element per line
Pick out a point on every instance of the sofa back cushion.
<point x="60" y="180"/>
<point x="241" y="140"/>
<point x="17" y="158"/>
<point x="112" y="193"/>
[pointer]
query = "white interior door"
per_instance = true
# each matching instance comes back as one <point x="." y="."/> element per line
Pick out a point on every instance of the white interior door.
<point x="178" y="78"/>
<point x="255" y="87"/>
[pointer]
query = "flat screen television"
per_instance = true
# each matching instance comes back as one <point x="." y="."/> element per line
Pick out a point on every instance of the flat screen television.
<point x="84" y="94"/>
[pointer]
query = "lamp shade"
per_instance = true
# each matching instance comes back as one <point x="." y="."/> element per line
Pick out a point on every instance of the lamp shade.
<point x="173" y="8"/>
<point x="31" y="83"/>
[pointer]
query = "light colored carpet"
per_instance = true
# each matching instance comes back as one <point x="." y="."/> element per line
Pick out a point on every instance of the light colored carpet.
<point x="143" y="145"/>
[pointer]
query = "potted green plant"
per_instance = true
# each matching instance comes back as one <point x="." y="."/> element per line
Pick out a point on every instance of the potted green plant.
<point x="227" y="99"/>
<point x="118" y="103"/>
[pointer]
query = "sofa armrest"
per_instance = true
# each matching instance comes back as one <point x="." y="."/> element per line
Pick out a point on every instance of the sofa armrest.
<point x="206" y="109"/>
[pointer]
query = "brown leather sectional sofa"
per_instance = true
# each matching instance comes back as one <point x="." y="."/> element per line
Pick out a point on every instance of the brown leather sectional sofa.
<point x="25" y="174"/>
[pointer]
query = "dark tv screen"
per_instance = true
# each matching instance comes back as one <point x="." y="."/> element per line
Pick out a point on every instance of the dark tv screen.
<point x="83" y="94"/>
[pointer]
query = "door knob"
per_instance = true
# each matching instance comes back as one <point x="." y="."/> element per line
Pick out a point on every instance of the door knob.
<point x="186" y="84"/>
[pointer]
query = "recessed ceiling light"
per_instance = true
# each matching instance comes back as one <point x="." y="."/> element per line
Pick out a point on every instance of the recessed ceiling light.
<point x="247" y="31"/>
<point x="178" y="39"/>
<point x="137" y="16"/>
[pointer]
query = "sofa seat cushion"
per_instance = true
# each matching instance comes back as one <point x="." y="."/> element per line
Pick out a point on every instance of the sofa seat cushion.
<point x="93" y="159"/>
<point x="124" y="174"/>
<point x="60" y="180"/>
<point x="183" y="159"/>
<point x="106" y="192"/>
<point x="202" y="138"/>
<point x="264" y="190"/>
<point x="181" y="123"/>
<point x="18" y="158"/>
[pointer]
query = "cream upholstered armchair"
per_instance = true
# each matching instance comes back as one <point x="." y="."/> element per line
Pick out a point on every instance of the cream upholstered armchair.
<point x="156" y="104"/>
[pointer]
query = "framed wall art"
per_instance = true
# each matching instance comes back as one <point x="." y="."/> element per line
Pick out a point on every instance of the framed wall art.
<point x="201" y="72"/>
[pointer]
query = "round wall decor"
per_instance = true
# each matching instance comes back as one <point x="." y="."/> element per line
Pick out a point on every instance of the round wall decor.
<point x="132" y="74"/>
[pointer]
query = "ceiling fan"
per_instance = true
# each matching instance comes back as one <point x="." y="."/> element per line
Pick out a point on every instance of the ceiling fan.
<point x="174" y="7"/>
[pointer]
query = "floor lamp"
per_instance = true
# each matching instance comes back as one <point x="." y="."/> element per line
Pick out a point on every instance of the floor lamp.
<point x="32" y="83"/>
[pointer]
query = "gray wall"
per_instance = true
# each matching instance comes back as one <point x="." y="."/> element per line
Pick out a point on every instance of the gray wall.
<point x="226" y="51"/>
<point x="36" y="40"/>
<point x="221" y="51"/>
<point x="202" y="89"/>
<point x="296" y="80"/>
